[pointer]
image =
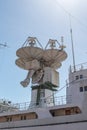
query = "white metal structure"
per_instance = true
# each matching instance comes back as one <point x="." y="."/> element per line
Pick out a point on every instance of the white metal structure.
<point x="72" y="115"/>
<point x="69" y="113"/>
<point x="41" y="64"/>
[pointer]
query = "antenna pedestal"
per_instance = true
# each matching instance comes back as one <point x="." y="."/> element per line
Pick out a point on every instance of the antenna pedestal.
<point x="42" y="94"/>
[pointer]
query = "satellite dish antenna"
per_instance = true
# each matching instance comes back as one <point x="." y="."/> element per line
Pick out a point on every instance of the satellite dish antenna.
<point x="32" y="57"/>
<point x="41" y="65"/>
<point x="29" y="54"/>
<point x="54" y="54"/>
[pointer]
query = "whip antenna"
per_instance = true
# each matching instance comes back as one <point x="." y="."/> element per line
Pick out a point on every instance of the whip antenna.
<point x="73" y="54"/>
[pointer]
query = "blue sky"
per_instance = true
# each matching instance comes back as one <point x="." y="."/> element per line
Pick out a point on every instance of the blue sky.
<point x="43" y="19"/>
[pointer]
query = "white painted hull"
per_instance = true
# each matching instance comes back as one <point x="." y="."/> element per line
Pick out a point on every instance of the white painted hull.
<point x="70" y="122"/>
<point x="72" y="126"/>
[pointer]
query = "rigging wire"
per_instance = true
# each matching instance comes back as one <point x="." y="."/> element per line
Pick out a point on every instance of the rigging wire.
<point x="71" y="33"/>
<point x="67" y="84"/>
<point x="69" y="14"/>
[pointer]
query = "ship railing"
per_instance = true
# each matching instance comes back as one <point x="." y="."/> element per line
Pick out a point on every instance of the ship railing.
<point x="61" y="100"/>
<point x="22" y="106"/>
<point x="78" y="67"/>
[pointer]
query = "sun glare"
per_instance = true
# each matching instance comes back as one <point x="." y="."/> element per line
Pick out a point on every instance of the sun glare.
<point x="68" y="3"/>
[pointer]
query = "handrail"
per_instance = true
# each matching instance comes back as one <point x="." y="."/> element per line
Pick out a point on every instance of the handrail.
<point x="81" y="66"/>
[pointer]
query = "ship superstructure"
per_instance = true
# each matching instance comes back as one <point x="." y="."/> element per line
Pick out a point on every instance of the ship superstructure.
<point x="69" y="112"/>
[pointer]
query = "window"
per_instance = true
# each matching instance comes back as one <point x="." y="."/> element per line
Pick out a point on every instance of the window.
<point x="81" y="89"/>
<point x="81" y="76"/>
<point x="53" y="113"/>
<point x="67" y="112"/>
<point x="77" y="77"/>
<point x="8" y="119"/>
<point x="23" y="117"/>
<point x="85" y="88"/>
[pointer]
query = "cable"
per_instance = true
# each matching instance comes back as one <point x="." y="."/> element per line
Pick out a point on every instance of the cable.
<point x="69" y="14"/>
<point x="85" y="77"/>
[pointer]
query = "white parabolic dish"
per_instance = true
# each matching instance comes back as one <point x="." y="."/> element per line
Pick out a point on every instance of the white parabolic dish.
<point x="48" y="57"/>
